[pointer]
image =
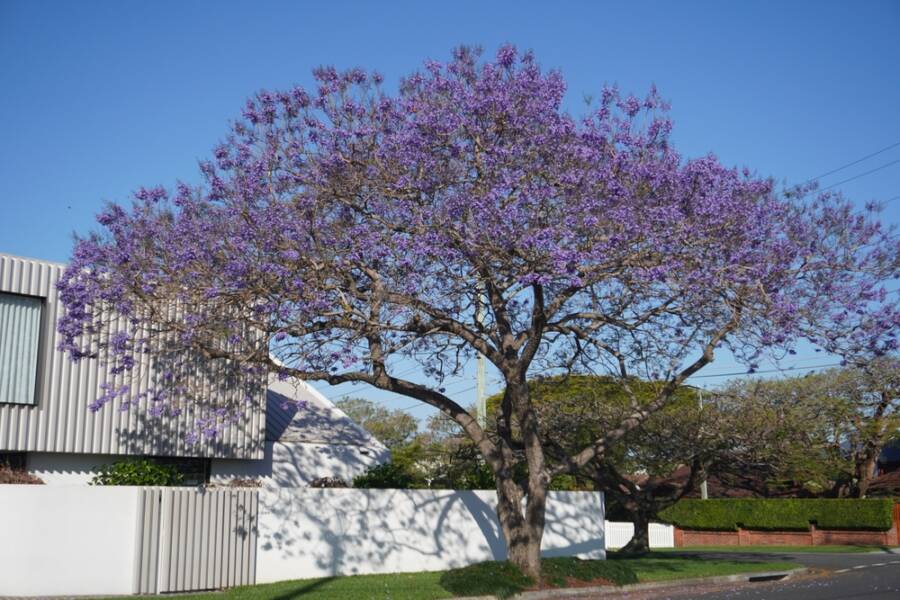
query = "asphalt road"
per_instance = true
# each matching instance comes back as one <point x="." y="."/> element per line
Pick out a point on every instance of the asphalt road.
<point x="873" y="576"/>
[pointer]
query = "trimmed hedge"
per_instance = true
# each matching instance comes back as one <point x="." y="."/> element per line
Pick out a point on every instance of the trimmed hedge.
<point x="727" y="514"/>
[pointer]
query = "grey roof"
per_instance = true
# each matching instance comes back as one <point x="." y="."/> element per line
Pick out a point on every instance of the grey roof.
<point x="320" y="422"/>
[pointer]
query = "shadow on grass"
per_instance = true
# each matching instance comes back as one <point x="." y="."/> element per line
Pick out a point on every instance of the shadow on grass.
<point x="666" y="566"/>
<point x="500" y="579"/>
<point x="303" y="588"/>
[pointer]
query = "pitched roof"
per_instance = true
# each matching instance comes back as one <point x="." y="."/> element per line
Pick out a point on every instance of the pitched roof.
<point x="319" y="422"/>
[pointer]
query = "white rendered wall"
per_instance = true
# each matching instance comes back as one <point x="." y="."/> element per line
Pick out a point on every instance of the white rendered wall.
<point x="287" y="464"/>
<point x="67" y="540"/>
<point x="307" y="532"/>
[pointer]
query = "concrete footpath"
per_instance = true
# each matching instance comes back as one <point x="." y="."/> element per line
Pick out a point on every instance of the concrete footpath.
<point x="660" y="586"/>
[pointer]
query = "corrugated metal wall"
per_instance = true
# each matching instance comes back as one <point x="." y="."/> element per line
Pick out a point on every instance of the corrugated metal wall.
<point x="195" y="539"/>
<point x="60" y="420"/>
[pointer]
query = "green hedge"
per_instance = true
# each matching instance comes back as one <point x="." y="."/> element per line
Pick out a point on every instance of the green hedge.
<point x="727" y="514"/>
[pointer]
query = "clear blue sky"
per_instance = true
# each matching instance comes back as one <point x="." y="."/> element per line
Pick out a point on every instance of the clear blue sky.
<point x="98" y="98"/>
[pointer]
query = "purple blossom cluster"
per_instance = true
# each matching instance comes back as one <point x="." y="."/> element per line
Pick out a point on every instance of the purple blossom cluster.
<point x="343" y="229"/>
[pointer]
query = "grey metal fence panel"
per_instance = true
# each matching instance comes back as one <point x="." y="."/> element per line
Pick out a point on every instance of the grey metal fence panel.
<point x="60" y="421"/>
<point x="195" y="539"/>
<point x="146" y="556"/>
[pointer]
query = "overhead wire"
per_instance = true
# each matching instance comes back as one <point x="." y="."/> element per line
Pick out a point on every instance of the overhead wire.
<point x="855" y="162"/>
<point x="763" y="371"/>
<point x="869" y="172"/>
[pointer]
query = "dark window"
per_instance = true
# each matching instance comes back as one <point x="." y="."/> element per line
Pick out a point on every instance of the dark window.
<point x="195" y="471"/>
<point x="13" y="460"/>
<point x="20" y="336"/>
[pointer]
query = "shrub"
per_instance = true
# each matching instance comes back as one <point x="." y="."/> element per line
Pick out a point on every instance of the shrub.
<point x="385" y="476"/>
<point x="503" y="579"/>
<point x="727" y="514"/>
<point x="10" y="475"/>
<point x="137" y="472"/>
<point x="500" y="579"/>
<point x="328" y="482"/>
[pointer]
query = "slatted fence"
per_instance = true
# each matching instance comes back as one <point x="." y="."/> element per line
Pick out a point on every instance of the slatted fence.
<point x="189" y="539"/>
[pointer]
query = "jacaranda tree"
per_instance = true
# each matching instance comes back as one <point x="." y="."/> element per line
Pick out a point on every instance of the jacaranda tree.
<point x="342" y="232"/>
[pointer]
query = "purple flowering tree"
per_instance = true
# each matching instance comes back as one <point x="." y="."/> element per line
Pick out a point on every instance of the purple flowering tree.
<point x="344" y="232"/>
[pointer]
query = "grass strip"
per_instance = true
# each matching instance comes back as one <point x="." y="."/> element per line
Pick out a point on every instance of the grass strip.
<point x="499" y="579"/>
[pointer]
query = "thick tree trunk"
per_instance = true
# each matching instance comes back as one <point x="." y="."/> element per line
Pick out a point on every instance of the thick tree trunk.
<point x="640" y="541"/>
<point x="523" y="526"/>
<point x="865" y="471"/>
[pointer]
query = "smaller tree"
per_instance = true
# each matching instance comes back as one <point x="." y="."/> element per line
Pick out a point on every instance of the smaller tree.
<point x="392" y="427"/>
<point x="842" y="420"/>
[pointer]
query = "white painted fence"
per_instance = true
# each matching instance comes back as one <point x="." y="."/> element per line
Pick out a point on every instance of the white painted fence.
<point x="620" y="533"/>
<point x="67" y="540"/>
<point x="77" y="540"/>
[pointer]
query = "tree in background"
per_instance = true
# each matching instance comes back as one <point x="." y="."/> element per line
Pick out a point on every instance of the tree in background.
<point x="440" y="456"/>
<point x="841" y="420"/>
<point x="392" y="427"/>
<point x="343" y="233"/>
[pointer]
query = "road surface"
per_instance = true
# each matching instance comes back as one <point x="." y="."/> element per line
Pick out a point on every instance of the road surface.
<point x="870" y="576"/>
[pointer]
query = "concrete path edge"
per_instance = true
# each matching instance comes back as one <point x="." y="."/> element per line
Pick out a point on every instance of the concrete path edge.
<point x="652" y="585"/>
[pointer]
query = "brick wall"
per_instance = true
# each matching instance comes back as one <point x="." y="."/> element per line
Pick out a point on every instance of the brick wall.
<point x="812" y="537"/>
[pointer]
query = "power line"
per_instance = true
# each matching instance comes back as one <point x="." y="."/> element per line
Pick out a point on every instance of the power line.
<point x="420" y="404"/>
<point x="766" y="371"/>
<point x="884" y="166"/>
<point x="855" y="162"/>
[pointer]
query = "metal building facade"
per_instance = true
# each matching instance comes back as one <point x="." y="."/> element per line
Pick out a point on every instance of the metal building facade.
<point x="59" y="419"/>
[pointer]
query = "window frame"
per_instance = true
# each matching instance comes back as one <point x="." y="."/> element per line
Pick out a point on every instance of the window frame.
<point x="39" y="358"/>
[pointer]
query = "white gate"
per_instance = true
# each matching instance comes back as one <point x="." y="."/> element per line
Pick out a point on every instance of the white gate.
<point x="195" y="539"/>
<point x="618" y="534"/>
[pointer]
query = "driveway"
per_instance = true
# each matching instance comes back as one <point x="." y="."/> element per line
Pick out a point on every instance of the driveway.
<point x="873" y="576"/>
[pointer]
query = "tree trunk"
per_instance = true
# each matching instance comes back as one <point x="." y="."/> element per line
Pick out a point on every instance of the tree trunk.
<point x="865" y="471"/>
<point x="523" y="526"/>
<point x="640" y="541"/>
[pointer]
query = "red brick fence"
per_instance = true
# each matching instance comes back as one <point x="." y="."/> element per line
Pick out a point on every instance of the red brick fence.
<point x="811" y="537"/>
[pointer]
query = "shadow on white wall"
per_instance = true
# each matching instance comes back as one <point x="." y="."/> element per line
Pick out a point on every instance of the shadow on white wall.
<point x="319" y="533"/>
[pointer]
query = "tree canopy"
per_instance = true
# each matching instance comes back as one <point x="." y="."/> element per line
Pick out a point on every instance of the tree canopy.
<point x="392" y="427"/>
<point x="837" y="423"/>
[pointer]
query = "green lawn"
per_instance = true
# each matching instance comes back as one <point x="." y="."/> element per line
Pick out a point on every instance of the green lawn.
<point x="810" y="549"/>
<point x="666" y="567"/>
<point x="401" y="586"/>
<point x="491" y="578"/>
